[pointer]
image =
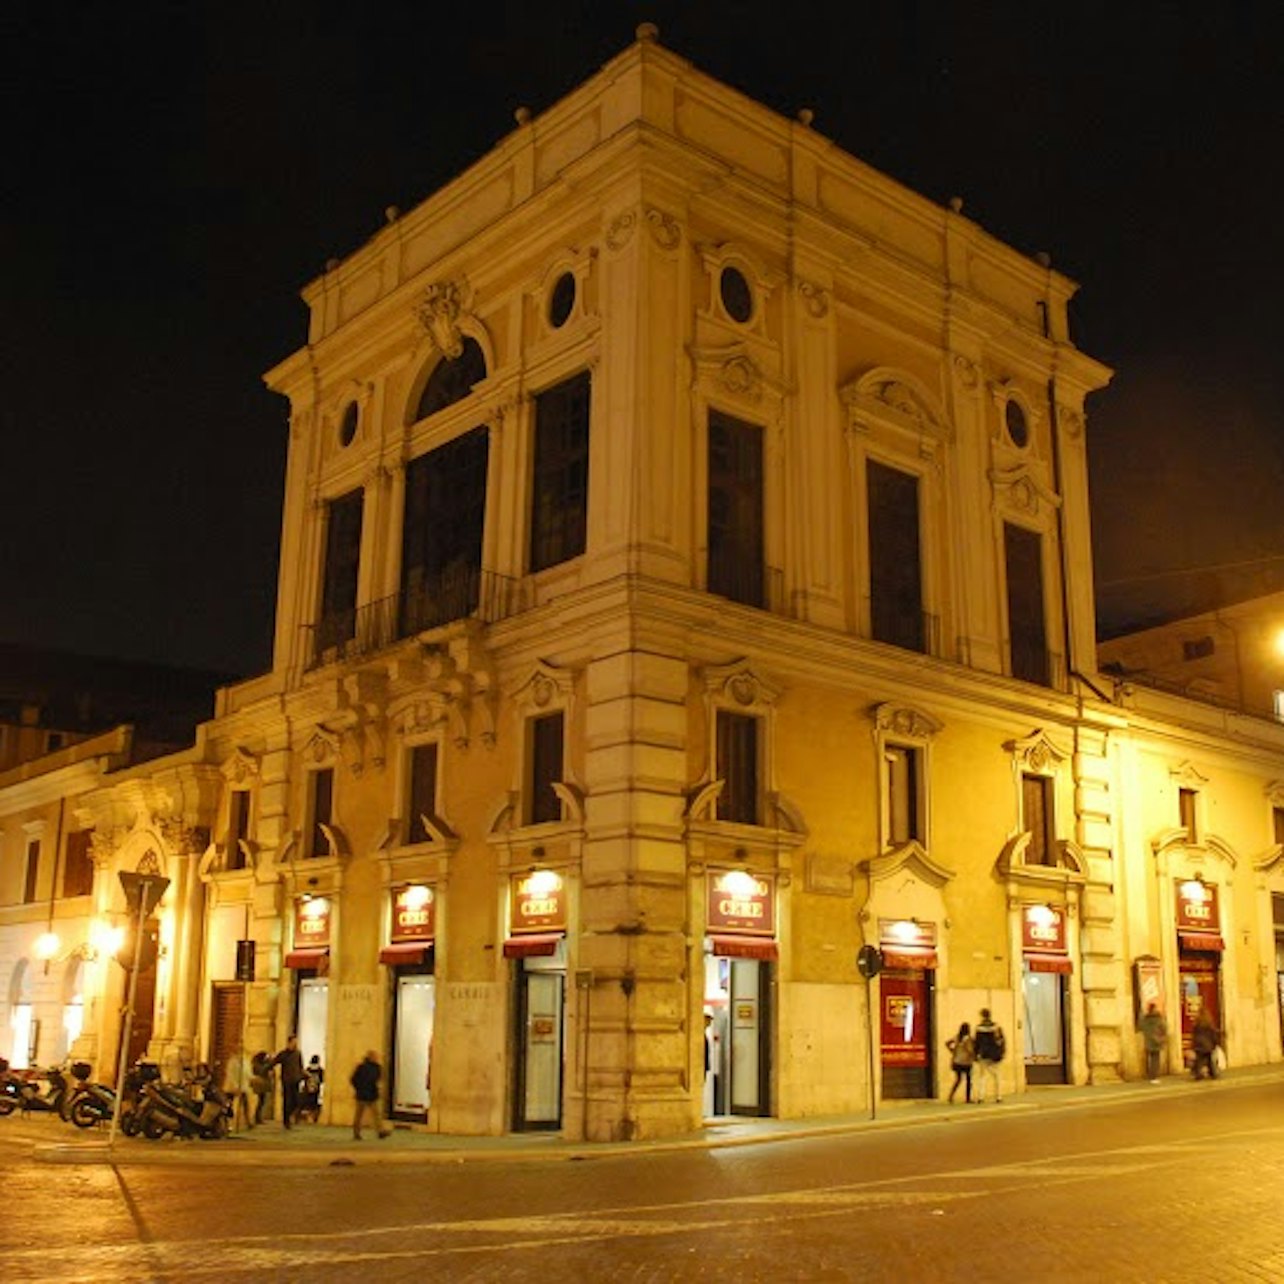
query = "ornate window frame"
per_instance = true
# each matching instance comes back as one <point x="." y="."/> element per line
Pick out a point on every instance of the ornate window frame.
<point x="905" y="727"/>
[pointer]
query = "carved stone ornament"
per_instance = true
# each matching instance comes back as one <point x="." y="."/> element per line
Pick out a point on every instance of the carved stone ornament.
<point x="815" y="299"/>
<point x="895" y="397"/>
<point x="620" y="231"/>
<point x="1023" y="488"/>
<point x="1036" y="752"/>
<point x="738" y="684"/>
<point x="240" y="766"/>
<point x="903" y="720"/>
<point x="966" y="372"/>
<point x="664" y="228"/>
<point x="439" y="313"/>
<point x="741" y="375"/>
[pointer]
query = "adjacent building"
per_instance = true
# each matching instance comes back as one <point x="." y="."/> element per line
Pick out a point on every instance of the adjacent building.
<point x="685" y="582"/>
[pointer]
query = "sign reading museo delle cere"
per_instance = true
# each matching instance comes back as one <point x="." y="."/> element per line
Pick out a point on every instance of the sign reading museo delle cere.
<point x="414" y="913"/>
<point x="1043" y="930"/>
<point x="538" y="903"/>
<point x="741" y="903"/>
<point x="1197" y="908"/>
<point x="311" y="923"/>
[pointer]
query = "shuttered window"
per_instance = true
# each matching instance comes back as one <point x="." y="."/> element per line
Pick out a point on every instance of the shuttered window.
<point x="422" y="768"/>
<point x="546" y="736"/>
<point x="78" y="867"/>
<point x="1036" y="801"/>
<point x="737" y="767"/>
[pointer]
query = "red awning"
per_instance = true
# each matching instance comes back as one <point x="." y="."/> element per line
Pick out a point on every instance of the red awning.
<point x="911" y="960"/>
<point x="1200" y="941"/>
<point x="533" y="946"/>
<point x="1049" y="963"/>
<point x="745" y="947"/>
<point x="405" y="952"/>
<point x="316" y="959"/>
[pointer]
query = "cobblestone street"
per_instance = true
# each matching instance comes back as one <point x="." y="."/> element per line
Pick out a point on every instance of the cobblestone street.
<point x="1183" y="1182"/>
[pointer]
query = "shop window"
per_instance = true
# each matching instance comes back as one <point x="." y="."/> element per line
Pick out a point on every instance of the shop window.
<point x="238" y="827"/>
<point x="737" y="767"/>
<point x="559" y="502"/>
<point x="895" y="565"/>
<point x="737" y="569"/>
<point x="1186" y="800"/>
<point x="1027" y="628"/>
<point x="320" y="810"/>
<point x="342" y="560"/>
<point x="452" y="381"/>
<point x="31" y="881"/>
<point x="1039" y="819"/>
<point x="546" y="737"/>
<point x="422" y="782"/>
<point x="78" y="868"/>
<point x="904" y="807"/>
<point x="441" y="542"/>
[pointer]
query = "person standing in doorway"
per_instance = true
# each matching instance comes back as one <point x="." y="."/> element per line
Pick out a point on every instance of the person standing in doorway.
<point x="962" y="1054"/>
<point x="365" y="1087"/>
<point x="290" y="1059"/>
<point x="989" y="1045"/>
<point x="1205" y="1039"/>
<point x="1154" y="1034"/>
<point x="236" y="1084"/>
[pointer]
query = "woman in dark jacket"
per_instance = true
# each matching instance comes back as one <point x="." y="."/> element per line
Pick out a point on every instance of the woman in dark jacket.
<point x="962" y="1054"/>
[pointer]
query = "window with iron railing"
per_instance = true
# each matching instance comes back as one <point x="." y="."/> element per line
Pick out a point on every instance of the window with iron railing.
<point x="1027" y="628"/>
<point x="339" y="570"/>
<point x="895" y="564"/>
<point x="559" y="499"/>
<point x="736" y="569"/>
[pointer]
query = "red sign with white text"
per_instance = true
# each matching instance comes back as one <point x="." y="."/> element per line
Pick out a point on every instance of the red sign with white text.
<point x="740" y="902"/>
<point x="1197" y="908"/>
<point x="1043" y="929"/>
<point x="414" y="913"/>
<point x="538" y="903"/>
<point x="311" y="923"/>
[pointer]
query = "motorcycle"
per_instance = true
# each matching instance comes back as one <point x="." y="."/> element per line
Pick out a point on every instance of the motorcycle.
<point x="195" y="1110"/>
<point x="134" y="1105"/>
<point x="9" y="1096"/>
<point x="90" y="1103"/>
<point x="42" y="1091"/>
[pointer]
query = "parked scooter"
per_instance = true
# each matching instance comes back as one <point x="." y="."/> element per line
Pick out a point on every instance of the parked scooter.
<point x="89" y="1103"/>
<point x="135" y="1105"/>
<point x="42" y="1091"/>
<point x="196" y="1110"/>
<point x="9" y="1096"/>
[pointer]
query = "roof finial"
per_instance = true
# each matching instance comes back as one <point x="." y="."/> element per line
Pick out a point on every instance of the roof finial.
<point x="647" y="32"/>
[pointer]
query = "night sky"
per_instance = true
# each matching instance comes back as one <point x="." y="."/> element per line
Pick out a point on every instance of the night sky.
<point x="174" y="174"/>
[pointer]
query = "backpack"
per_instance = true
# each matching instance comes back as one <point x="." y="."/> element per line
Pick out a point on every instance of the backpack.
<point x="311" y="1084"/>
<point x="990" y="1044"/>
<point x="999" y="1044"/>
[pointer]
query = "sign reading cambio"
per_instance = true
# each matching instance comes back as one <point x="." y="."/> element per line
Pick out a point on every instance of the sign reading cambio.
<point x="538" y="902"/>
<point x="414" y="913"/>
<point x="1043" y="929"/>
<point x="311" y="923"/>
<point x="739" y="901"/>
<point x="1197" y="907"/>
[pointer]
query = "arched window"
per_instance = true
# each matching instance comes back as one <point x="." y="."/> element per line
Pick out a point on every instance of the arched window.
<point x="21" y="1022"/>
<point x="452" y="381"/>
<point x="73" y="1006"/>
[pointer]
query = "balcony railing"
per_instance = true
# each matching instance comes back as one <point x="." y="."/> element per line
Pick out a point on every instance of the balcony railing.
<point x="911" y="630"/>
<point x="748" y="582"/>
<point x="454" y="595"/>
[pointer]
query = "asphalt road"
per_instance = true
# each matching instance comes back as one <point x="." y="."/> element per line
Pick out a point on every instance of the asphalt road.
<point x="1181" y="1185"/>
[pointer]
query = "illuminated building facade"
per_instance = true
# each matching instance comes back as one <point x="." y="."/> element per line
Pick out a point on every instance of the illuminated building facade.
<point x="685" y="582"/>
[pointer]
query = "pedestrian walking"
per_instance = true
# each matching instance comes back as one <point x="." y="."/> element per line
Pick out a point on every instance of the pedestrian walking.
<point x="1154" y="1034"/>
<point x="310" y="1092"/>
<point x="365" y="1087"/>
<point x="290" y="1059"/>
<point x="962" y="1054"/>
<point x="261" y="1085"/>
<point x="989" y="1046"/>
<point x="1205" y="1039"/>
<point x="237" y="1075"/>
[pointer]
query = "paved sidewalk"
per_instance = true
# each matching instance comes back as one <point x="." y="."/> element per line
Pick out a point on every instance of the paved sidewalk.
<point x="317" y="1145"/>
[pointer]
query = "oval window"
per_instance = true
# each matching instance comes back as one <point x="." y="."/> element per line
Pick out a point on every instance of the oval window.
<point x="348" y="424"/>
<point x="1018" y="426"/>
<point x="561" y="301"/>
<point x="737" y="297"/>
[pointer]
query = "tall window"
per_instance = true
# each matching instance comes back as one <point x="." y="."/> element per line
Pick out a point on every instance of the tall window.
<point x="736" y="559"/>
<point x="238" y="827"/>
<point x="31" y="882"/>
<point x="1186" y="799"/>
<point x="78" y="867"/>
<point x="545" y="768"/>
<point x="441" y="543"/>
<point x="422" y="793"/>
<point x="559" y="503"/>
<point x="904" y="794"/>
<point x="737" y="767"/>
<point x="1277" y="820"/>
<point x="338" y="620"/>
<point x="320" y="810"/>
<point x="1027" y="630"/>
<point x="1039" y="819"/>
<point x="895" y="570"/>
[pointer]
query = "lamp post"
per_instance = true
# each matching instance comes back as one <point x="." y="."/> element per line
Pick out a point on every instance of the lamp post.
<point x="142" y="895"/>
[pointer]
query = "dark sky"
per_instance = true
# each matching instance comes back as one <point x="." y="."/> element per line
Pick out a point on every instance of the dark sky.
<point x="174" y="173"/>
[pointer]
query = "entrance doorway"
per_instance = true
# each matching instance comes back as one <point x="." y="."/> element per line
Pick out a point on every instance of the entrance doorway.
<point x="227" y="1019"/>
<point x="140" y="1034"/>
<point x="1199" y="982"/>
<point x="905" y="1038"/>
<point x="311" y="1012"/>
<point x="539" y="1008"/>
<point x="737" y="996"/>
<point x="1044" y="995"/>
<point x="414" y="1001"/>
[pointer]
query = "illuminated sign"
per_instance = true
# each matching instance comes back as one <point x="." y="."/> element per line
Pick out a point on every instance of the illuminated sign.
<point x="738" y="901"/>
<point x="311" y="923"/>
<point x="1043" y="929"/>
<point x="900" y="934"/>
<point x="1197" y="907"/>
<point x="414" y="913"/>
<point x="538" y="902"/>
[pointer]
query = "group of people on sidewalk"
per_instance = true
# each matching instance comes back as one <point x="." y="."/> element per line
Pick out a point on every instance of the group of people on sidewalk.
<point x="301" y="1088"/>
<point x="985" y="1048"/>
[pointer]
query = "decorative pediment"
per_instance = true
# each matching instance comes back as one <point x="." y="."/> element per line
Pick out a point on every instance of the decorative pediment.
<point x="546" y="687"/>
<point x="1022" y="489"/>
<point x="897" y="399"/>
<point x="779" y="814"/>
<point x="1070" y="869"/>
<point x="240" y="767"/>
<point x="1275" y="793"/>
<point x="1036" y="753"/>
<point x="1187" y="776"/>
<point x="740" y="686"/>
<point x="911" y="857"/>
<point x="1271" y="861"/>
<point x="732" y="368"/>
<point x="1208" y="845"/>
<point x="322" y="747"/>
<point x="441" y="309"/>
<point x="905" y="721"/>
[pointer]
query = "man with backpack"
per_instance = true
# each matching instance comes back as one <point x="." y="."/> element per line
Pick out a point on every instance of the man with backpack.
<point x="989" y="1045"/>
